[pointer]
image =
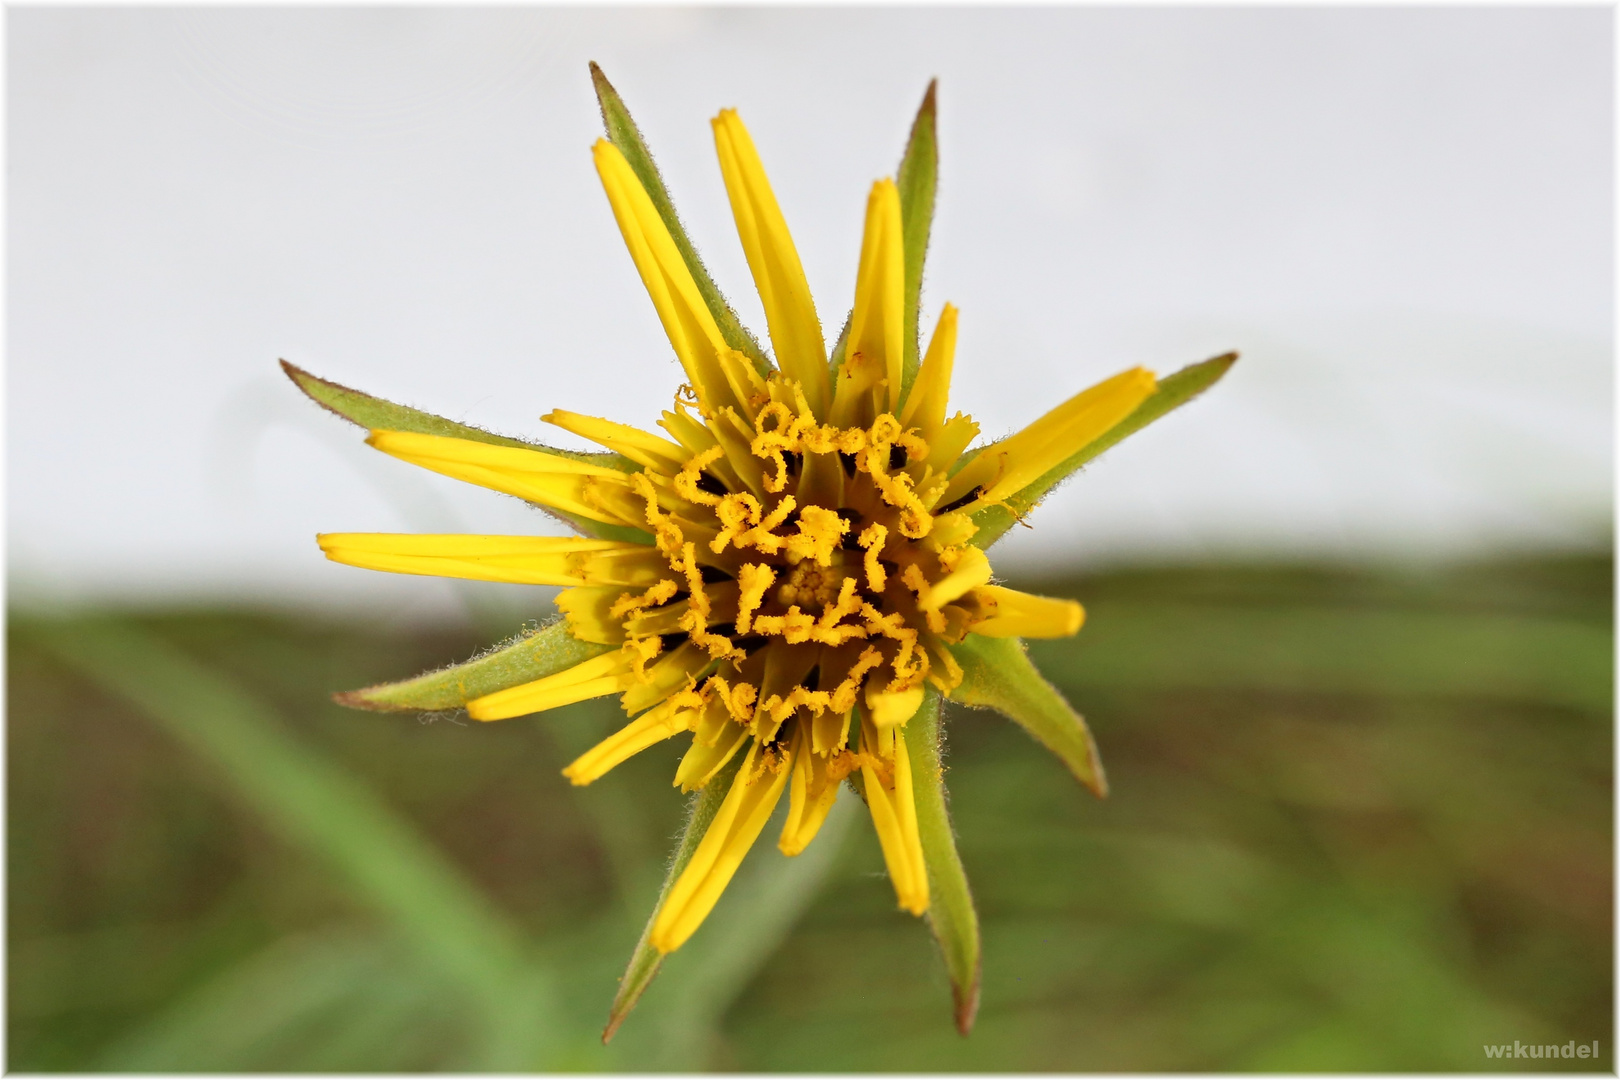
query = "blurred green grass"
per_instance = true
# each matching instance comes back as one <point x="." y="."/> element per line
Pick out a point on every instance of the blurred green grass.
<point x="1361" y="820"/>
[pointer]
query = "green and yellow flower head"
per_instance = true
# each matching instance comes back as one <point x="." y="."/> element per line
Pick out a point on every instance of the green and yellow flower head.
<point x="794" y="571"/>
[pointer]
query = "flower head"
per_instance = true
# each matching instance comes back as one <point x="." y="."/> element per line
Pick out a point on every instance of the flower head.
<point x="789" y="569"/>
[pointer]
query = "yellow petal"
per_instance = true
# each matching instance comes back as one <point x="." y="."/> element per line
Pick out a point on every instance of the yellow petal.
<point x="894" y="816"/>
<point x="1024" y="615"/>
<point x="811" y="794"/>
<point x="1006" y="467"/>
<point x="590" y="612"/>
<point x="925" y="406"/>
<point x="972" y="570"/>
<point x="652" y="727"/>
<point x="829" y="731"/>
<point x="664" y="677"/>
<point x="717" y="737"/>
<point x="686" y="318"/>
<point x="521" y="560"/>
<point x="790" y="312"/>
<point x="645" y="448"/>
<point x="607" y="674"/>
<point x="747" y="807"/>
<point x="877" y="325"/>
<point x="945" y="447"/>
<point x="539" y="477"/>
<point x="891" y="708"/>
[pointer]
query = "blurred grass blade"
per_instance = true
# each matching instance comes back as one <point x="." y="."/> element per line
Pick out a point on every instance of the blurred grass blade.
<point x="646" y="960"/>
<point x="997" y="674"/>
<point x="533" y="655"/>
<point x="1173" y="392"/>
<point x="374" y="413"/>
<point x="1344" y="649"/>
<point x="950" y="914"/>
<point x="919" y="170"/>
<point x="259" y="1015"/>
<point x="623" y="133"/>
<point x="309" y="801"/>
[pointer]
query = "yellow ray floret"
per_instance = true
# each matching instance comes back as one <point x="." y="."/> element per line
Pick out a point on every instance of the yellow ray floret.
<point x="971" y="570"/>
<point x="877" y="324"/>
<point x="691" y="328"/>
<point x="642" y="447"/>
<point x="790" y="312"/>
<point x="811" y="792"/>
<point x="894" y="816"/>
<point x="607" y="674"/>
<point x="1006" y="467"/>
<point x="892" y="708"/>
<point x="574" y="487"/>
<point x="925" y="405"/>
<point x="654" y="726"/>
<point x="1023" y="615"/>
<point x="521" y="560"/>
<point x="747" y="807"/>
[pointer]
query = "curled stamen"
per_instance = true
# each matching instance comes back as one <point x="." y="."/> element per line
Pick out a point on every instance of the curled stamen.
<point x="641" y="650"/>
<point x="754" y="579"/>
<point x="689" y="482"/>
<point x="629" y="603"/>
<point x="872" y="538"/>
<point x="666" y="533"/>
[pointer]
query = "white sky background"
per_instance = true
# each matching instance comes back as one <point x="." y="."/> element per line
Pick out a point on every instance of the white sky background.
<point x="1402" y="218"/>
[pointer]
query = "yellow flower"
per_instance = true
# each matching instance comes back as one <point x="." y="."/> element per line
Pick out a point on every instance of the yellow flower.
<point x="784" y="573"/>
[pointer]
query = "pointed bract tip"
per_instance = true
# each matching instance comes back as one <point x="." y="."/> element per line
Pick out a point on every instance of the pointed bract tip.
<point x="361" y="699"/>
<point x="304" y="380"/>
<point x="967" y="1006"/>
<point x="929" y="105"/>
<point x="1098" y="783"/>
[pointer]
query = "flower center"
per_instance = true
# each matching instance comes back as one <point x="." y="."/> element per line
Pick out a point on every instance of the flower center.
<point x="806" y="572"/>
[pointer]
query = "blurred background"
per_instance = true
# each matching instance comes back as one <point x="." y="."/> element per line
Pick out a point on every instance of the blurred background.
<point x="1349" y="641"/>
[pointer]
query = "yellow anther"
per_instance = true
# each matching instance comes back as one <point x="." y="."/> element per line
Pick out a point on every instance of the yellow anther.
<point x="794" y="627"/>
<point x="667" y="534"/>
<point x="641" y="650"/>
<point x="843" y="698"/>
<point x="915" y="446"/>
<point x="737" y="512"/>
<point x="913" y="579"/>
<point x="884" y="431"/>
<point x="629" y="603"/>
<point x="753" y="580"/>
<point x="846" y="604"/>
<point x="872" y="538"/>
<point x="910" y="662"/>
<point x="761" y="535"/>
<point x="896" y="490"/>
<point x="820" y="531"/>
<point x="738" y="700"/>
<point x="696" y="620"/>
<point x="686" y="481"/>
<point x="774" y="411"/>
<point x="851" y="441"/>
<point x="891" y="626"/>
